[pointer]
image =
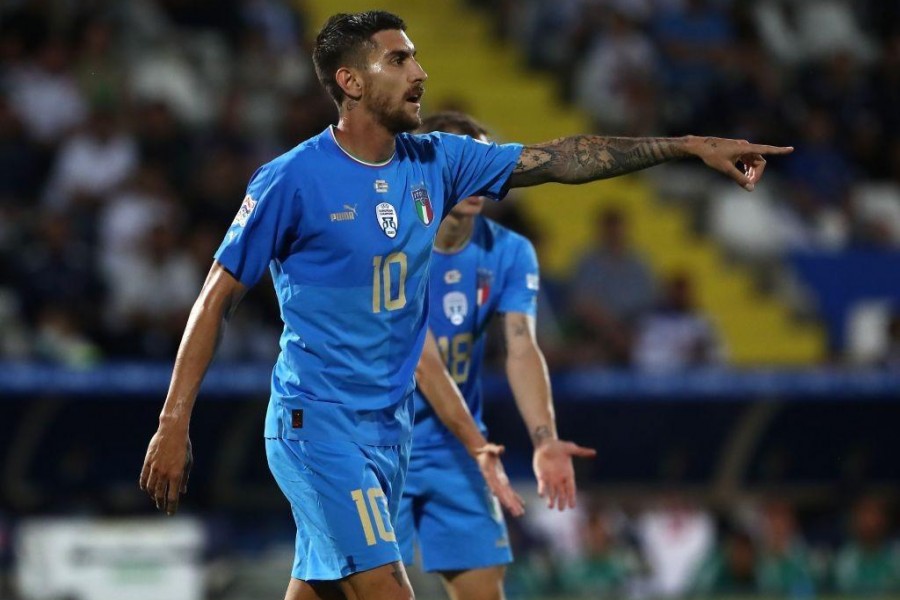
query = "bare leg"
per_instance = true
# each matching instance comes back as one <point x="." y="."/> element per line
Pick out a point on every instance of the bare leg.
<point x="315" y="590"/>
<point x="387" y="582"/>
<point x="475" y="584"/>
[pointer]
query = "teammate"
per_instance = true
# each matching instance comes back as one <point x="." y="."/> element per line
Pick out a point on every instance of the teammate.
<point x="345" y="223"/>
<point x="479" y="269"/>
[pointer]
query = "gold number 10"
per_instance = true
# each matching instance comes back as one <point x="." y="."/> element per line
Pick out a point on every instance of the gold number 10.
<point x="381" y="279"/>
<point x="374" y="494"/>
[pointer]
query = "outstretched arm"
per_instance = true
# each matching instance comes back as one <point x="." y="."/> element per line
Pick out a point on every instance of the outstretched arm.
<point x="445" y="398"/>
<point x="168" y="461"/>
<point x="530" y="383"/>
<point x="583" y="158"/>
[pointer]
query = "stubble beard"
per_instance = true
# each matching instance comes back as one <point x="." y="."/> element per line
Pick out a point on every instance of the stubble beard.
<point x="396" y="120"/>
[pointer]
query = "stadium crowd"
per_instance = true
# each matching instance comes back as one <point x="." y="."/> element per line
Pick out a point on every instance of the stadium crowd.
<point x="128" y="131"/>
<point x="676" y="549"/>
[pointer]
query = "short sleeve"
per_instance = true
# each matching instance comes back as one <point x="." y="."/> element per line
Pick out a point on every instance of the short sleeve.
<point x="478" y="168"/>
<point x="264" y="223"/>
<point x="522" y="281"/>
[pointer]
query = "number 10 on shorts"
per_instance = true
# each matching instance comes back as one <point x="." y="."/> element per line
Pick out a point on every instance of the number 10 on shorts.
<point x="373" y="494"/>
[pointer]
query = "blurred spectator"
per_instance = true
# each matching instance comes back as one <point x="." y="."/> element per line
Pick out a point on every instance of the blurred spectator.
<point x="57" y="269"/>
<point x="91" y="164"/>
<point x="45" y="95"/>
<point x="784" y="567"/>
<point x="151" y="294"/>
<point x="163" y="141"/>
<point x="615" y="84"/>
<point x="130" y="213"/>
<point x="612" y="290"/>
<point x="697" y="40"/>
<point x="675" y="536"/>
<point x="820" y="178"/>
<point x="804" y="30"/>
<point x="676" y="335"/>
<point x="890" y="359"/>
<point x="730" y="570"/>
<point x="19" y="161"/>
<point x="606" y="568"/>
<point x="60" y="340"/>
<point x="98" y="67"/>
<point x="870" y="563"/>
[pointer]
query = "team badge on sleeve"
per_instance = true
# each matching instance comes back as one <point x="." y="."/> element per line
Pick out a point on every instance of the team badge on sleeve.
<point x="456" y="307"/>
<point x="244" y="212"/>
<point x="387" y="219"/>
<point x="423" y="204"/>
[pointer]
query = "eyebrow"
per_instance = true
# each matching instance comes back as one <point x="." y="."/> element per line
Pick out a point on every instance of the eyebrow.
<point x="401" y="53"/>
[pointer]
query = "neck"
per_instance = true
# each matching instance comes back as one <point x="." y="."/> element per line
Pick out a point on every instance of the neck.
<point x="454" y="233"/>
<point x="362" y="137"/>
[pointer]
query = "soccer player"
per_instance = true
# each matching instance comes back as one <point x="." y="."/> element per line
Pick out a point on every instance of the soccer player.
<point x="478" y="269"/>
<point x="345" y="223"/>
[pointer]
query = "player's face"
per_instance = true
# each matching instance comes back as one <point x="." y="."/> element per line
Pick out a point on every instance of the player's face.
<point x="394" y="82"/>
<point x="472" y="205"/>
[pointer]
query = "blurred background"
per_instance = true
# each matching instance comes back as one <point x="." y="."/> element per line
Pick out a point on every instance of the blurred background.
<point x="733" y="357"/>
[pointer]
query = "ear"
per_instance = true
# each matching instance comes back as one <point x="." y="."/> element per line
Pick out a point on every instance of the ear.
<point x="350" y="81"/>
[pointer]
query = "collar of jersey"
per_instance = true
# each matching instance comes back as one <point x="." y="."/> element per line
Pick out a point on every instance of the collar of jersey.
<point x="353" y="158"/>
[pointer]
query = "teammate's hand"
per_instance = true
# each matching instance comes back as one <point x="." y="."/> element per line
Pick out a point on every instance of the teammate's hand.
<point x="167" y="467"/>
<point x="554" y="472"/>
<point x="723" y="155"/>
<point x="488" y="457"/>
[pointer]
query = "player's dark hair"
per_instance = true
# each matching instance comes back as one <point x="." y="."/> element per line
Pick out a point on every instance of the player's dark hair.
<point x="344" y="40"/>
<point x="451" y="121"/>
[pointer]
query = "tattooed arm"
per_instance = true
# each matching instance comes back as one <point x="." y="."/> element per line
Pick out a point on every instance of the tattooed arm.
<point x="530" y="383"/>
<point x="583" y="158"/>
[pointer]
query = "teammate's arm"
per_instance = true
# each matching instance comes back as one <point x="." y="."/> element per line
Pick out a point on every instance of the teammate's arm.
<point x="449" y="405"/>
<point x="583" y="158"/>
<point x="168" y="461"/>
<point x="530" y="383"/>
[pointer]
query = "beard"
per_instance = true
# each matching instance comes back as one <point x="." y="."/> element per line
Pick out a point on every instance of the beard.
<point x="393" y="118"/>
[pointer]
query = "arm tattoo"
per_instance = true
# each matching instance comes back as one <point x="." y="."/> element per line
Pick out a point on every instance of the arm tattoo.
<point x="540" y="433"/>
<point x="583" y="158"/>
<point x="519" y="327"/>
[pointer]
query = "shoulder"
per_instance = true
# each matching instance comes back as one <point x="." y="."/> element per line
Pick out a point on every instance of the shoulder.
<point x="426" y="145"/>
<point x="505" y="239"/>
<point x="309" y="154"/>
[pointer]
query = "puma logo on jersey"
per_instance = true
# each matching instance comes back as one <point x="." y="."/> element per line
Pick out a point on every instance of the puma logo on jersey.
<point x="348" y="214"/>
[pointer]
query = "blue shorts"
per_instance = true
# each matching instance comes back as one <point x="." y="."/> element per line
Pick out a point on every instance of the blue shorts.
<point x="449" y="510"/>
<point x="345" y="498"/>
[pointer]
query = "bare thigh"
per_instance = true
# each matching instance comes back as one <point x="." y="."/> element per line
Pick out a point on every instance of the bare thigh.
<point x="388" y="582"/>
<point x="475" y="584"/>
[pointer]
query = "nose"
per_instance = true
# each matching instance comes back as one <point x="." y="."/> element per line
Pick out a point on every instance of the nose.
<point x="419" y="73"/>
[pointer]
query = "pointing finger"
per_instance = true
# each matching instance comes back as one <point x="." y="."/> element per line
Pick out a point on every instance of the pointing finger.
<point x="764" y="149"/>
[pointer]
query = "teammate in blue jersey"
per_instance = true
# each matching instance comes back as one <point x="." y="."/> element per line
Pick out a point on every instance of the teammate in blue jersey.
<point x="479" y="269"/>
<point x="345" y="224"/>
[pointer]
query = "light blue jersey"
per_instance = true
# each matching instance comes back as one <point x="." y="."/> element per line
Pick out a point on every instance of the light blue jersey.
<point x="496" y="272"/>
<point x="349" y="245"/>
<point x="447" y="506"/>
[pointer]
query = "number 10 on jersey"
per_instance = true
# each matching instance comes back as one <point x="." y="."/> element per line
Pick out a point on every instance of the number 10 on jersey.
<point x="383" y="293"/>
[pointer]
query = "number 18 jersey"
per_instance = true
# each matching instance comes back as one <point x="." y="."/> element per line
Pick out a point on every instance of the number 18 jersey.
<point x="496" y="272"/>
<point x="349" y="245"/>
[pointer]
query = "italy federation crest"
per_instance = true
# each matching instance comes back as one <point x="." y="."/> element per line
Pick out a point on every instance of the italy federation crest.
<point x="387" y="219"/>
<point x="456" y="307"/>
<point x="484" y="284"/>
<point x="423" y="204"/>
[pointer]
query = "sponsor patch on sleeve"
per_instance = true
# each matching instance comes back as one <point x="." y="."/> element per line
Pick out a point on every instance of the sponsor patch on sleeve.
<point x="532" y="281"/>
<point x="244" y="212"/>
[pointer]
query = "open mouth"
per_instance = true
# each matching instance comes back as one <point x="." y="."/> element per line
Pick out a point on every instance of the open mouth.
<point x="415" y="97"/>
